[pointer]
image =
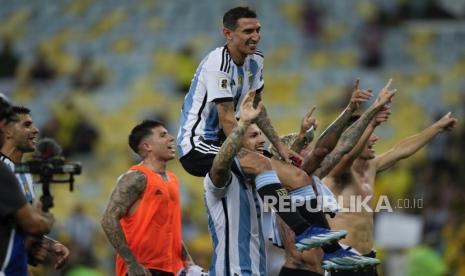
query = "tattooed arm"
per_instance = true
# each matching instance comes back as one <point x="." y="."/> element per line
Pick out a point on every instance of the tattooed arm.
<point x="352" y="135"/>
<point x="299" y="141"/>
<point x="128" y="190"/>
<point x="306" y="133"/>
<point x="329" y="138"/>
<point x="264" y="123"/>
<point x="221" y="168"/>
<point x="347" y="160"/>
<point x="326" y="142"/>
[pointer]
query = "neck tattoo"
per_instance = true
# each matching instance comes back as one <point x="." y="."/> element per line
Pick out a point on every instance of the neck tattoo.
<point x="164" y="176"/>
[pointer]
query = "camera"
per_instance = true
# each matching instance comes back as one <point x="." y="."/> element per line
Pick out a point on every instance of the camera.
<point x="47" y="162"/>
<point x="53" y="166"/>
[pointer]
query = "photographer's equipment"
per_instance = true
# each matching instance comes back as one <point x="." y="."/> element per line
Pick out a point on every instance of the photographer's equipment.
<point x="47" y="162"/>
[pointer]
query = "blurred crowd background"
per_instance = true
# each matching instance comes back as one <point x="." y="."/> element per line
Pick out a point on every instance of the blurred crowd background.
<point x="90" y="70"/>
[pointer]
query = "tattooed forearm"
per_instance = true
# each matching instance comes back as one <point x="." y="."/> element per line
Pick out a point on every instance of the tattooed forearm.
<point x="128" y="190"/>
<point x="348" y="140"/>
<point x="326" y="142"/>
<point x="328" y="139"/>
<point x="220" y="170"/>
<point x="264" y="123"/>
<point x="328" y="163"/>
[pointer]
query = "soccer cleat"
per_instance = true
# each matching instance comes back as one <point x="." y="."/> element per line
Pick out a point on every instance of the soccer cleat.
<point x="315" y="236"/>
<point x="346" y="260"/>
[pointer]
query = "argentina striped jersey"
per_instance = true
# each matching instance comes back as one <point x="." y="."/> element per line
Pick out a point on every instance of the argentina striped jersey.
<point x="25" y="179"/>
<point x="235" y="226"/>
<point x="217" y="78"/>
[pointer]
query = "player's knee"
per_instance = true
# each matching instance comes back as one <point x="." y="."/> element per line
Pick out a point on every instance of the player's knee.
<point x="293" y="178"/>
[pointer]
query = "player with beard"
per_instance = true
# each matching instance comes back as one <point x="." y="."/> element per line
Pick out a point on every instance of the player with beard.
<point x="20" y="135"/>
<point x="18" y="218"/>
<point x="211" y="109"/>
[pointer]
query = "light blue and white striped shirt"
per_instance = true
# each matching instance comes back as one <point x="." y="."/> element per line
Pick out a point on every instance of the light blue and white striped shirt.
<point x="24" y="179"/>
<point x="235" y="226"/>
<point x="217" y="79"/>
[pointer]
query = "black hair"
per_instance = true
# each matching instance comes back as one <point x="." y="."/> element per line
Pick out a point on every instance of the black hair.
<point x="231" y="17"/>
<point x="15" y="111"/>
<point x="139" y="132"/>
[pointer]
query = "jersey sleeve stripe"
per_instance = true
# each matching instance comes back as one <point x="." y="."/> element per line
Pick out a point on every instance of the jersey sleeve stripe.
<point x="226" y="234"/>
<point x="222" y="100"/>
<point x="229" y="63"/>
<point x="223" y="60"/>
<point x="199" y="117"/>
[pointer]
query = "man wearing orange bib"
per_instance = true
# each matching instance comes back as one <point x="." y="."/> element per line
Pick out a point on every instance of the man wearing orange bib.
<point x="143" y="217"/>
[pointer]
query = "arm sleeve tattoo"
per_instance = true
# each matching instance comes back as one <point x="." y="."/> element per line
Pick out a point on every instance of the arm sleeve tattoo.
<point x="220" y="171"/>
<point x="127" y="191"/>
<point x="264" y="123"/>
<point x="348" y="140"/>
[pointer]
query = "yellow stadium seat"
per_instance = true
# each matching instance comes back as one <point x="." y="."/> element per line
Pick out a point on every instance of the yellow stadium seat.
<point x="78" y="7"/>
<point x="107" y="23"/>
<point x="123" y="45"/>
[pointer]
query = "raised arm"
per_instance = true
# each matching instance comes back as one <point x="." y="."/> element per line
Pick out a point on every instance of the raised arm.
<point x="352" y="135"/>
<point x="221" y="168"/>
<point x="329" y="138"/>
<point x="346" y="161"/>
<point x="128" y="190"/>
<point x="306" y="133"/>
<point x="412" y="144"/>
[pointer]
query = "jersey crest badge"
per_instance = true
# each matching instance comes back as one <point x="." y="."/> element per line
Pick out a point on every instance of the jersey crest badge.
<point x="223" y="83"/>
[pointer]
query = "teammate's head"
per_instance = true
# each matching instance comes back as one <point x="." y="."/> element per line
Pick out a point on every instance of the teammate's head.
<point x="20" y="132"/>
<point x="242" y="30"/>
<point x="231" y="17"/>
<point x="151" y="137"/>
<point x="254" y="139"/>
<point x="289" y="140"/>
